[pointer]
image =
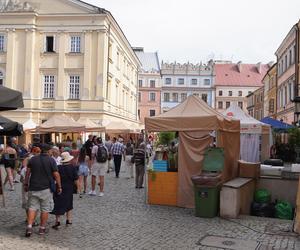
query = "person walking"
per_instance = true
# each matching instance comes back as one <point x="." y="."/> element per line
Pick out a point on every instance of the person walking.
<point x="139" y="160"/>
<point x="9" y="159"/>
<point x="63" y="202"/>
<point x="83" y="171"/>
<point x="128" y="159"/>
<point x="117" y="151"/>
<point x="108" y="145"/>
<point x="41" y="170"/>
<point x="99" y="166"/>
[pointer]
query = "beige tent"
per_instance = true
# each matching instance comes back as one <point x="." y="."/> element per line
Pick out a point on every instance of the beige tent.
<point x="194" y="120"/>
<point x="115" y="127"/>
<point x="90" y="126"/>
<point x="60" y="124"/>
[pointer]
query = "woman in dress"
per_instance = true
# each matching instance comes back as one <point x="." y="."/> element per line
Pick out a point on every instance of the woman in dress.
<point x="63" y="203"/>
<point x="83" y="171"/>
<point x="9" y="158"/>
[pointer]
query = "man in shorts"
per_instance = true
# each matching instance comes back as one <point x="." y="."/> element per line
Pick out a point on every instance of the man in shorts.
<point x="99" y="166"/>
<point x="41" y="170"/>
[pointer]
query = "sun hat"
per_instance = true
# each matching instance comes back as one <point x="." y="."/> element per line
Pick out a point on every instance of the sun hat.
<point x="66" y="157"/>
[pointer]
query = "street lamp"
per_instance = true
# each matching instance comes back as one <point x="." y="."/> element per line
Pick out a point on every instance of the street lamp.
<point x="297" y="109"/>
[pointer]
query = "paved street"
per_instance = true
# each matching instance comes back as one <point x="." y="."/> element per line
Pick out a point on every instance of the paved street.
<point x="122" y="220"/>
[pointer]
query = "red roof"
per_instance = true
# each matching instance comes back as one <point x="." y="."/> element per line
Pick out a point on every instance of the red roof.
<point x="240" y="74"/>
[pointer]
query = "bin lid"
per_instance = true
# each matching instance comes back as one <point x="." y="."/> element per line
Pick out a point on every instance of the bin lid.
<point x="213" y="159"/>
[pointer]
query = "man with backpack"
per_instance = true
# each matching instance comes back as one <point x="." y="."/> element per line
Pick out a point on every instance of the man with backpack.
<point x="99" y="166"/>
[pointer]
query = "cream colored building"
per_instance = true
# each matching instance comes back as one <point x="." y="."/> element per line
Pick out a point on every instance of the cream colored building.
<point x="67" y="56"/>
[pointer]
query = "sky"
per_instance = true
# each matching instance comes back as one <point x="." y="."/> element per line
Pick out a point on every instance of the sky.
<point x="199" y="30"/>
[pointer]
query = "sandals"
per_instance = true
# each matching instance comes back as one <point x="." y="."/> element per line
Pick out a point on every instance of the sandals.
<point x="68" y="222"/>
<point x="56" y="226"/>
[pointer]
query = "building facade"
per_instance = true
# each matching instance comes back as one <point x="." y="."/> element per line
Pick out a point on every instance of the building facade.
<point x="255" y="103"/>
<point x="287" y="75"/>
<point x="270" y="92"/>
<point x="234" y="82"/>
<point x="149" y="83"/>
<point x="182" y="80"/>
<point x="67" y="56"/>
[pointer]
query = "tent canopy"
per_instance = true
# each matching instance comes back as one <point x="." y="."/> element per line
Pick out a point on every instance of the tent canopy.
<point x="29" y="124"/>
<point x="60" y="124"/>
<point x="89" y="125"/>
<point x="192" y="115"/>
<point x="249" y="125"/>
<point x="279" y="125"/>
<point x="118" y="127"/>
<point x="10" y="99"/>
<point x="9" y="127"/>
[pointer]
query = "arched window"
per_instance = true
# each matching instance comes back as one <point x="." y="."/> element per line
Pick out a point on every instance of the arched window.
<point x="1" y="78"/>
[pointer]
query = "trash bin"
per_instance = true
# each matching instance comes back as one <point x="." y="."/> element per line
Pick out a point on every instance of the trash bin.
<point x="207" y="186"/>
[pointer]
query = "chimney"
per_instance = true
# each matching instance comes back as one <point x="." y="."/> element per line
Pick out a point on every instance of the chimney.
<point x="258" y="67"/>
<point x="239" y="66"/>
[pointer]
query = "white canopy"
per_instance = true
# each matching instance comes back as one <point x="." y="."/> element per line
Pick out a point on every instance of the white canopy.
<point x="90" y="126"/>
<point x="249" y="125"/>
<point x="29" y="124"/>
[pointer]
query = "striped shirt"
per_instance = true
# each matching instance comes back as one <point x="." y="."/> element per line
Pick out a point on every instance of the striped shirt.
<point x="117" y="148"/>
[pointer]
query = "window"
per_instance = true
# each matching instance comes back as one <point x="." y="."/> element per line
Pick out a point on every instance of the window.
<point x="2" y="43"/>
<point x="240" y="93"/>
<point x="230" y="93"/>
<point x="166" y="97"/>
<point x="118" y="60"/>
<point x="139" y="114"/>
<point x="152" y="97"/>
<point x="220" y="105"/>
<point x="249" y="92"/>
<point x="183" y="96"/>
<point x="168" y="81"/>
<point x="196" y="94"/>
<point x="180" y="81"/>
<point x="49" y="82"/>
<point x="204" y="97"/>
<point x="152" y="83"/>
<point x="240" y="104"/>
<point x="227" y="105"/>
<point x="194" y="82"/>
<point x="207" y="82"/>
<point x="1" y="78"/>
<point x="49" y="44"/>
<point x="220" y="92"/>
<point x="140" y="97"/>
<point x="175" y="97"/>
<point x="74" y="87"/>
<point x="140" y="83"/>
<point x="271" y="106"/>
<point x="290" y="57"/>
<point x="75" y="44"/>
<point x="286" y="62"/>
<point x="152" y="112"/>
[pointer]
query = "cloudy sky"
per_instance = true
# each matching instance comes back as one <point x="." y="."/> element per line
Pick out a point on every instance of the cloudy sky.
<point x="198" y="30"/>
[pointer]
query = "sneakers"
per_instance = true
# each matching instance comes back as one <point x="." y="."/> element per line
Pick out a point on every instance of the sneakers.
<point x="42" y="230"/>
<point x="101" y="194"/>
<point x="28" y="232"/>
<point x="92" y="192"/>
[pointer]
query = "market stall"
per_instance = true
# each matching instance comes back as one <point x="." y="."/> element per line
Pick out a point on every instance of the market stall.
<point x="255" y="136"/>
<point x="195" y="121"/>
<point x="10" y="99"/>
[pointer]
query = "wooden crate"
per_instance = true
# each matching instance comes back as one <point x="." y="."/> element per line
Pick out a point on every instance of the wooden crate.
<point x="162" y="188"/>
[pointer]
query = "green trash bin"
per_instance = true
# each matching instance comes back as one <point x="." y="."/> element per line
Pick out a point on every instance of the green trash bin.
<point x="207" y="186"/>
<point x="207" y="201"/>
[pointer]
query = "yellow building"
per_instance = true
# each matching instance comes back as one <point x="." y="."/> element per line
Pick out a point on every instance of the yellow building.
<point x="67" y="56"/>
<point x="270" y="92"/>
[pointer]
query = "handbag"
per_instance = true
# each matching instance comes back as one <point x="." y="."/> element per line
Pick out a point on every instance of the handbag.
<point x="52" y="183"/>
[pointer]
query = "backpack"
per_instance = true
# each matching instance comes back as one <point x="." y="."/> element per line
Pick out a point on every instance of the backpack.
<point x="102" y="155"/>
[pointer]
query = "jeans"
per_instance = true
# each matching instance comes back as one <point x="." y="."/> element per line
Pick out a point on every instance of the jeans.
<point x="117" y="161"/>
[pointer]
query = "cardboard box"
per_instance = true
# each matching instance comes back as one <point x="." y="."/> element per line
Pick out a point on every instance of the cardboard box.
<point x="249" y="169"/>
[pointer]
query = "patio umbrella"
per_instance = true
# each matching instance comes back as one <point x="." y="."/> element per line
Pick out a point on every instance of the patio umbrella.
<point x="10" y="99"/>
<point x="9" y="127"/>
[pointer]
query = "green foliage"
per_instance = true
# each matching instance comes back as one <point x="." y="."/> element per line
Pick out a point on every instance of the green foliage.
<point x="165" y="138"/>
<point x="294" y="137"/>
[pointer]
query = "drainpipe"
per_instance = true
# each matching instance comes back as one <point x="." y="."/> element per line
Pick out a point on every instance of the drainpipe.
<point x="107" y="75"/>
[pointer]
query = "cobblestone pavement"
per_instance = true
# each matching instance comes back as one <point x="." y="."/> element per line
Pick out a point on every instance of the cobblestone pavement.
<point x="122" y="220"/>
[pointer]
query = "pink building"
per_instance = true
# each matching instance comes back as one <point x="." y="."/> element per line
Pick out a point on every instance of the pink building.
<point x="149" y="102"/>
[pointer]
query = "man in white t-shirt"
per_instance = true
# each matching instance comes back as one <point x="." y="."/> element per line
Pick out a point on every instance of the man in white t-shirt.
<point x="99" y="166"/>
